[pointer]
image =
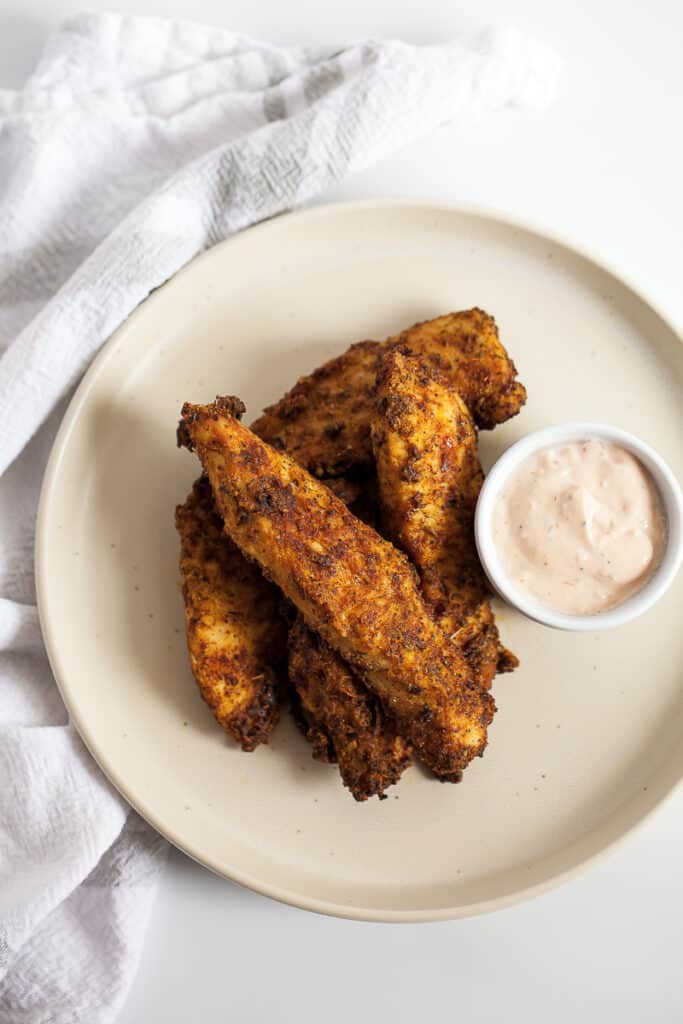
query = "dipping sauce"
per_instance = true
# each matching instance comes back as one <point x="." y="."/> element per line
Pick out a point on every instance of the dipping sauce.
<point x="580" y="526"/>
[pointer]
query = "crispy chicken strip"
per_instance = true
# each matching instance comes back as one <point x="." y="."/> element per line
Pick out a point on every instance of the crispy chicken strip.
<point x="344" y="720"/>
<point x="429" y="474"/>
<point x="324" y="421"/>
<point x="351" y="586"/>
<point x="236" y="638"/>
<point x="235" y="635"/>
<point x="340" y="717"/>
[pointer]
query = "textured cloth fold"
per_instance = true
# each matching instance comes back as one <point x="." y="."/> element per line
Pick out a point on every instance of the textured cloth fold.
<point x="136" y="144"/>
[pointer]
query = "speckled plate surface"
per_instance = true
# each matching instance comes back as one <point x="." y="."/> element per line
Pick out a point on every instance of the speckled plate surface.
<point x="588" y="738"/>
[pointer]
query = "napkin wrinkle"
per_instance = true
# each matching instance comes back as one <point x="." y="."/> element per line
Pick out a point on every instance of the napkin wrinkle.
<point x="19" y="626"/>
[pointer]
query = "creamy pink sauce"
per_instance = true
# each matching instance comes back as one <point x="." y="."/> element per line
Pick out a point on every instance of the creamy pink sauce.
<point x="580" y="526"/>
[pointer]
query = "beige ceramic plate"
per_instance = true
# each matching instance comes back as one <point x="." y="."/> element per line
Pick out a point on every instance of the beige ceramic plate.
<point x="589" y="733"/>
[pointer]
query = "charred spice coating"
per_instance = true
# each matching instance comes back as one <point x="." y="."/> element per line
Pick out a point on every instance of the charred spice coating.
<point x="352" y="587"/>
<point x="324" y="421"/>
<point x="343" y="720"/>
<point x="235" y="636"/>
<point x="425" y="447"/>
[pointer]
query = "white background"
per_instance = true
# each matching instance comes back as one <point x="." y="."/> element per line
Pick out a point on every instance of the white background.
<point x="604" y="168"/>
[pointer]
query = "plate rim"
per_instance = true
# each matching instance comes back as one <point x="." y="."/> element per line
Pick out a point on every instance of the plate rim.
<point x="48" y="488"/>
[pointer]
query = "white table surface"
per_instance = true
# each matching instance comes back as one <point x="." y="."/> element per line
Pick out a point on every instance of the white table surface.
<point x="604" y="169"/>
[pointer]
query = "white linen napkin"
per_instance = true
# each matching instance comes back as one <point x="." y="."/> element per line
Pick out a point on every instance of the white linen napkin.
<point x="137" y="143"/>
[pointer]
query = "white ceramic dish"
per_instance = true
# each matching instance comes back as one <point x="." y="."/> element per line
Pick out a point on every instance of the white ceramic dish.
<point x="564" y="433"/>
<point x="588" y="738"/>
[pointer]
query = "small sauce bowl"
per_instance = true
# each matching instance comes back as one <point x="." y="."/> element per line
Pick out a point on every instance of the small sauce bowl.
<point x="672" y="503"/>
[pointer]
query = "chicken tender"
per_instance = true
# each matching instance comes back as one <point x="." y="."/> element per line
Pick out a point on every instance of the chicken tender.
<point x="352" y="587"/>
<point x="430" y="476"/>
<point x="235" y="635"/>
<point x="324" y="421"/>
<point x="344" y="720"/>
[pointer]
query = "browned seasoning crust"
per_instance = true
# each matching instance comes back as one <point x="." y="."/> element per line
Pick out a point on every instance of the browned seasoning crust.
<point x="344" y="720"/>
<point x="236" y="639"/>
<point x="348" y="491"/>
<point x="352" y="587"/>
<point x="340" y="717"/>
<point x="235" y="636"/>
<point x="429" y="475"/>
<point x="324" y="421"/>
